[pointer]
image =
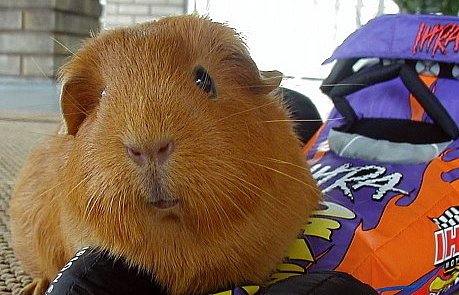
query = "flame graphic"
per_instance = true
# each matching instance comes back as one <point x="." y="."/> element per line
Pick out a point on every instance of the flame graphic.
<point x="401" y="248"/>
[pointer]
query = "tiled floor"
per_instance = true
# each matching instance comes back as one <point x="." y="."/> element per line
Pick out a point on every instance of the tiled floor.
<point x="16" y="139"/>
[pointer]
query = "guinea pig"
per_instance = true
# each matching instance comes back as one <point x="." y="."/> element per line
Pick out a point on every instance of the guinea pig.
<point x="174" y="154"/>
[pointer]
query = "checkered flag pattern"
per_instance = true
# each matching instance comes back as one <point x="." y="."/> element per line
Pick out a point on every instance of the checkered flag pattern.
<point x="449" y="218"/>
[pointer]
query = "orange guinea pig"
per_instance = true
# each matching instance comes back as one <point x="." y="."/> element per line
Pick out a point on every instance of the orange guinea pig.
<point x="174" y="154"/>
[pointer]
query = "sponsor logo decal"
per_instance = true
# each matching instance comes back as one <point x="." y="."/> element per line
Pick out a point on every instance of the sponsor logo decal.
<point x="435" y="39"/>
<point x="348" y="178"/>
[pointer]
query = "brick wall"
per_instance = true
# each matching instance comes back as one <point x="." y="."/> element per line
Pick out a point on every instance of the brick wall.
<point x="126" y="12"/>
<point x="32" y="31"/>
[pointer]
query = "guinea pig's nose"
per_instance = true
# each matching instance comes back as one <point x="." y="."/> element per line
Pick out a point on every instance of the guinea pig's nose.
<point x="137" y="155"/>
<point x="163" y="150"/>
<point x="159" y="153"/>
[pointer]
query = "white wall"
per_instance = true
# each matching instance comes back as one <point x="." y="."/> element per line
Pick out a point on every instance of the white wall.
<point x="294" y="36"/>
<point x="126" y="12"/>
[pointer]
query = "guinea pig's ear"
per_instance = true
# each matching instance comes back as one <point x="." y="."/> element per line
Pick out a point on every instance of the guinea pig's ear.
<point x="270" y="80"/>
<point x="80" y="94"/>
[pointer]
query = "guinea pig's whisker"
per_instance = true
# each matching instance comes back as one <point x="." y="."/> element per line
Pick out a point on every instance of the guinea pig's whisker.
<point x="231" y="127"/>
<point x="239" y="178"/>
<point x="325" y="85"/>
<point x="111" y="202"/>
<point x="333" y="119"/>
<point x="59" y="136"/>
<point x="29" y="119"/>
<point x="290" y="164"/>
<point x="291" y="120"/>
<point x="56" y="186"/>
<point x="71" y="113"/>
<point x="226" y="172"/>
<point x="246" y="184"/>
<point x="120" y="208"/>
<point x="235" y="205"/>
<point x="248" y="110"/>
<point x="110" y="206"/>
<point x="344" y="84"/>
<point x="301" y="120"/>
<point x="89" y="206"/>
<point x="206" y="222"/>
<point x="28" y="106"/>
<point x="91" y="203"/>
<point x="211" y="50"/>
<point x="216" y="202"/>
<point x="75" y="103"/>
<point x="229" y="173"/>
<point x="277" y="171"/>
<point x="96" y="200"/>
<point x="287" y="163"/>
<point x="39" y="68"/>
<point x="222" y="212"/>
<point x="44" y="134"/>
<point x="85" y="179"/>
<point x="253" y="86"/>
<point x="63" y="46"/>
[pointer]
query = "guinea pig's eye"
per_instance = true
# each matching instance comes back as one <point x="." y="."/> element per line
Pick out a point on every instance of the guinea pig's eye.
<point x="204" y="81"/>
<point x="103" y="92"/>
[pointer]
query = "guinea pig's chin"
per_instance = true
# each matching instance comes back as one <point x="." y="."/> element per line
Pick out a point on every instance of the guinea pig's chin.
<point x="170" y="216"/>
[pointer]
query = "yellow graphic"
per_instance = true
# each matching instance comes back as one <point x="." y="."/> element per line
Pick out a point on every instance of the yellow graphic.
<point x="300" y="250"/>
<point x="320" y="225"/>
<point x="289" y="267"/>
<point x="439" y="284"/>
<point x="250" y="290"/>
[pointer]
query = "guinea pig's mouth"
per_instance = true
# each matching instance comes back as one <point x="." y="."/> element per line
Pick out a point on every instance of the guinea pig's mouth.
<point x="165" y="204"/>
<point x="160" y="198"/>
